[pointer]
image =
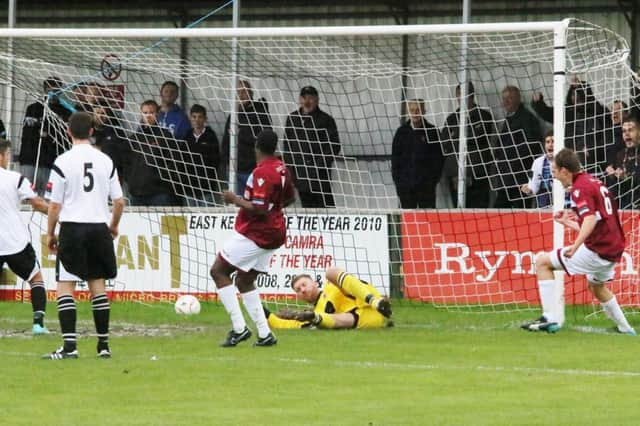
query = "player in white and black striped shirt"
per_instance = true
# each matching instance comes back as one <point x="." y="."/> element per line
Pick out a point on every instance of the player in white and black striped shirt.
<point x="15" y="247"/>
<point x="82" y="181"/>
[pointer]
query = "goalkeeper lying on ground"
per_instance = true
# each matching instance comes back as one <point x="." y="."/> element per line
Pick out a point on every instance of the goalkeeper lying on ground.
<point x="344" y="302"/>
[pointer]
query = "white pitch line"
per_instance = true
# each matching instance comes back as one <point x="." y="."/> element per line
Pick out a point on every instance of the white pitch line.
<point x="493" y="369"/>
<point x="388" y="365"/>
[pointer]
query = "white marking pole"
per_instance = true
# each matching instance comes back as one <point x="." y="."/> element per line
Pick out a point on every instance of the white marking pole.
<point x="8" y="93"/>
<point x="559" y="83"/>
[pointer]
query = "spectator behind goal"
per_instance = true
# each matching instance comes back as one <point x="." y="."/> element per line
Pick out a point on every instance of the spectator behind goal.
<point x="541" y="182"/>
<point x="311" y="143"/>
<point x="152" y="152"/>
<point x="202" y="171"/>
<point x="252" y="118"/>
<point x="107" y="139"/>
<point x="37" y="146"/>
<point x="586" y="123"/>
<point x="170" y="116"/>
<point x="480" y="127"/>
<point x="520" y="143"/>
<point x="623" y="176"/>
<point x="416" y="159"/>
<point x="619" y="112"/>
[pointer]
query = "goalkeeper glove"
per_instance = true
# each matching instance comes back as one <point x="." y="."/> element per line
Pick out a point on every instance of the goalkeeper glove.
<point x="302" y="316"/>
<point x="286" y="314"/>
<point x="308" y="316"/>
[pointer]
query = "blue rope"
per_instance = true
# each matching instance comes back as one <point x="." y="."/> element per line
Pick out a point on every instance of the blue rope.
<point x="68" y="105"/>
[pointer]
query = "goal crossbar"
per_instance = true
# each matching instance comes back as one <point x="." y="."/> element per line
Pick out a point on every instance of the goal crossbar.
<point x="282" y="31"/>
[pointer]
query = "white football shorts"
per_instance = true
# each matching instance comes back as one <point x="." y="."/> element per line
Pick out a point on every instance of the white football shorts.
<point x="584" y="262"/>
<point x="242" y="253"/>
<point x="64" y="275"/>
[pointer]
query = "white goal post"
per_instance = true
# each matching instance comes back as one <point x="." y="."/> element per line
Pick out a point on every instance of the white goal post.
<point x="368" y="79"/>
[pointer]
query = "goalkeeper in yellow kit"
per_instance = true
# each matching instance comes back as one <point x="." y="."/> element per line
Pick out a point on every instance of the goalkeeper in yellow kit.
<point x="344" y="302"/>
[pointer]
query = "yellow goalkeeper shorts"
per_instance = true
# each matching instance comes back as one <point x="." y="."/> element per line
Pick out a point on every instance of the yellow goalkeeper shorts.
<point x="369" y="318"/>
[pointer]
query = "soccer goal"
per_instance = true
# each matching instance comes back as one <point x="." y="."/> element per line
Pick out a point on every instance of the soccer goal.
<point x="402" y="138"/>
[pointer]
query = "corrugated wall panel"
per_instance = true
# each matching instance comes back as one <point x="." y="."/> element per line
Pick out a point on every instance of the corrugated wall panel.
<point x="387" y="90"/>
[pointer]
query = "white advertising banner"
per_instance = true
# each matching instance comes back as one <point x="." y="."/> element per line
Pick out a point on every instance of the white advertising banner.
<point x="172" y="252"/>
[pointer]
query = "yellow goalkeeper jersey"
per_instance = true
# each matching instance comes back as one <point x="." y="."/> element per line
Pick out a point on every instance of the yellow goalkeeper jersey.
<point x="334" y="300"/>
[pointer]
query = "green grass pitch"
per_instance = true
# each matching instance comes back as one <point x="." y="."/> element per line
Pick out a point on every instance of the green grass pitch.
<point x="433" y="368"/>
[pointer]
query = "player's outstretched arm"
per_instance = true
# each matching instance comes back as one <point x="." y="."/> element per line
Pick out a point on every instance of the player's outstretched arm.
<point x="567" y="218"/>
<point x="39" y="205"/>
<point x="231" y="198"/>
<point x="588" y="225"/>
<point x="342" y="320"/>
<point x="284" y="319"/>
<point x="52" y="220"/>
<point x="321" y="320"/>
<point x="116" y="215"/>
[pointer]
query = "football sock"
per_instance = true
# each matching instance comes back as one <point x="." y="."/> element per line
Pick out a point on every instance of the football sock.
<point x="67" y="315"/>
<point x="612" y="310"/>
<point x="547" y="289"/>
<point x="230" y="302"/>
<point x="101" y="310"/>
<point x="252" y="304"/>
<point x="38" y="302"/>
<point x="356" y="288"/>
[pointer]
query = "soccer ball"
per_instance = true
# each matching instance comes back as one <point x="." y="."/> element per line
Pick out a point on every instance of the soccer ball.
<point x="187" y="305"/>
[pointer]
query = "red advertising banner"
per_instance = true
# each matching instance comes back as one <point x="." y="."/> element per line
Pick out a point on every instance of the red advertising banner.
<point x="487" y="258"/>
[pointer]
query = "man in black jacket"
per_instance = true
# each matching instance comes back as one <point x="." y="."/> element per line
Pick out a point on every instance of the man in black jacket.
<point x="520" y="143"/>
<point x="416" y="159"/>
<point x="311" y="143"/>
<point x="152" y="172"/>
<point x="623" y="176"/>
<point x="587" y="124"/>
<point x="252" y="118"/>
<point x="480" y="127"/>
<point x="202" y="170"/>
<point x="107" y="137"/>
<point x="31" y="142"/>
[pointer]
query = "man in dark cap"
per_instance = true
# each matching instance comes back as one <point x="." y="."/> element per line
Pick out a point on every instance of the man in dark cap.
<point x="311" y="143"/>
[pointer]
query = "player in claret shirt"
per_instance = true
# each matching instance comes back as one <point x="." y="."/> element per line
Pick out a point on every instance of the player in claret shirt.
<point x="595" y="251"/>
<point x="259" y="231"/>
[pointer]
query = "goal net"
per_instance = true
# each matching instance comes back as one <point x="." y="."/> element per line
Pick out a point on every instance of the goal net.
<point x="400" y="183"/>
